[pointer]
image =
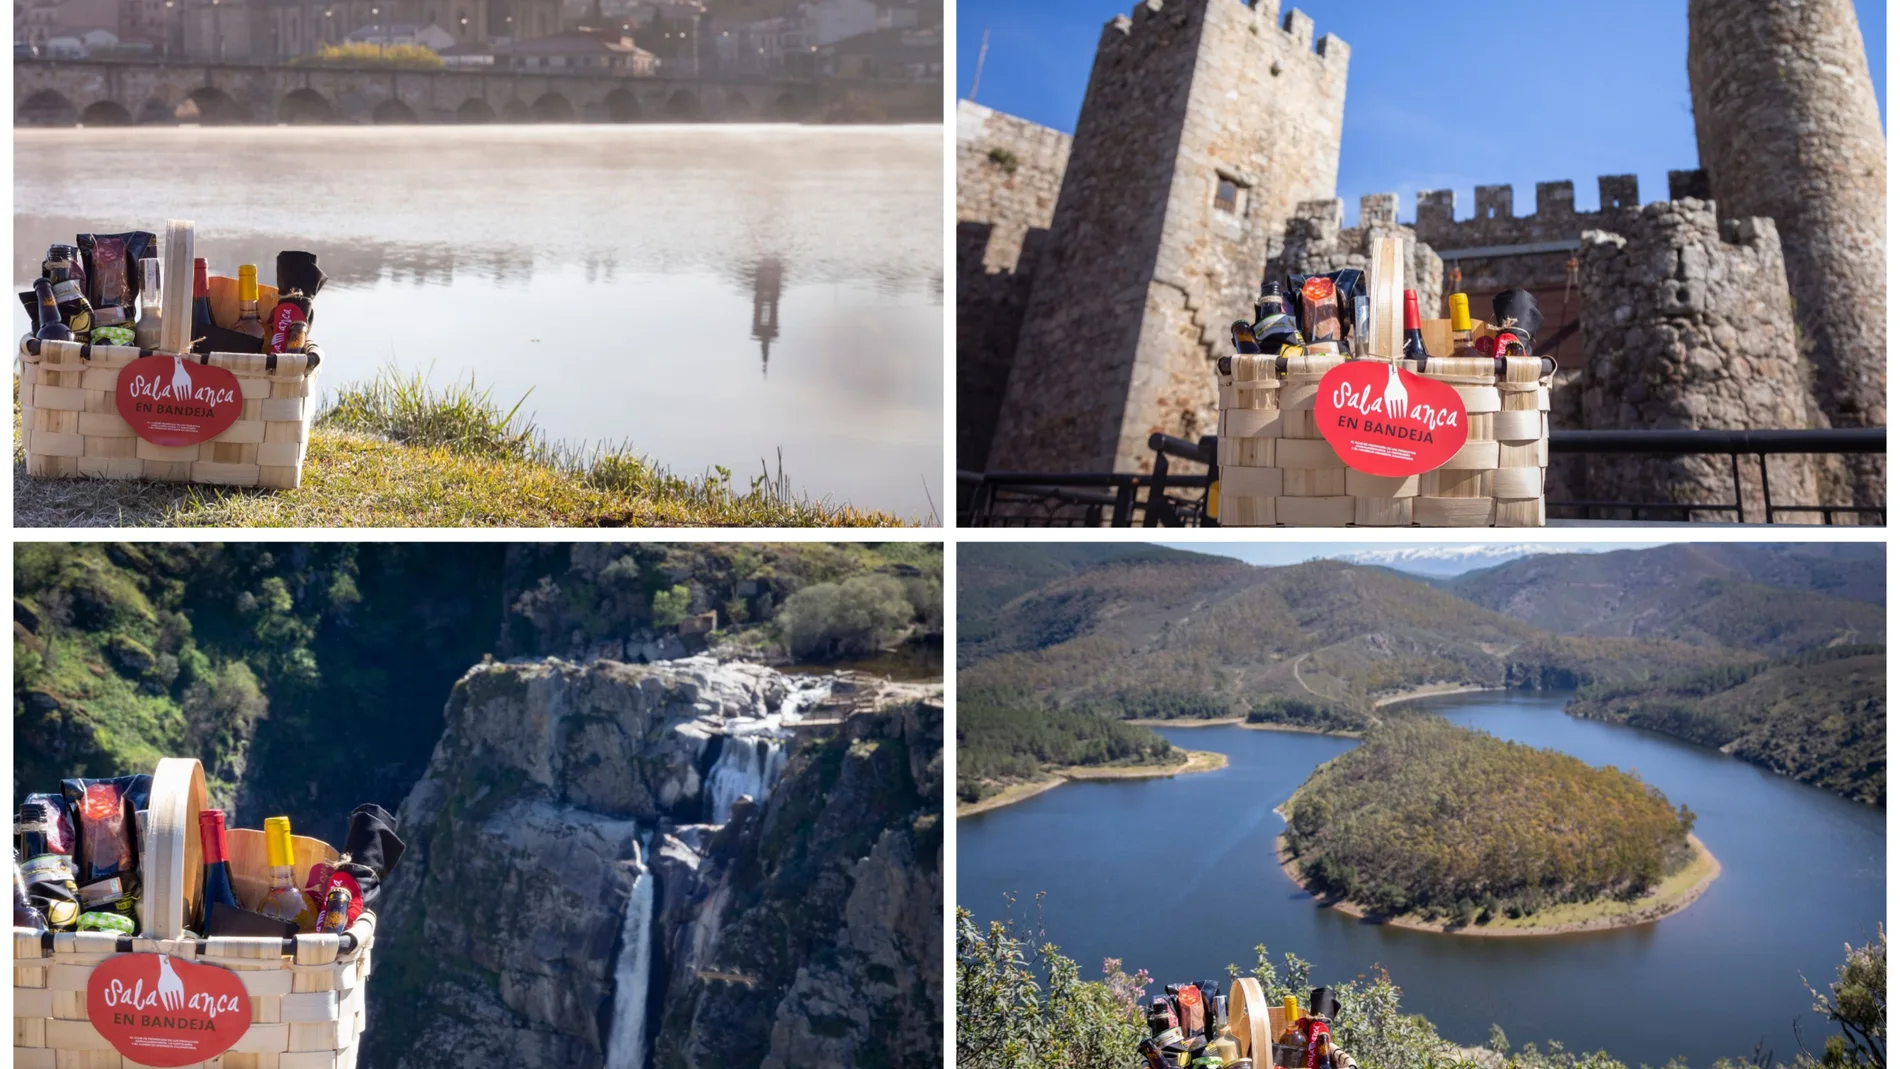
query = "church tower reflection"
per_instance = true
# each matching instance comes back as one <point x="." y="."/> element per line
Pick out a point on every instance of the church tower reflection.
<point x="767" y="277"/>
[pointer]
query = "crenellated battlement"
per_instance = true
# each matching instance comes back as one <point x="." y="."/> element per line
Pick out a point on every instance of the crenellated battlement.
<point x="1281" y="34"/>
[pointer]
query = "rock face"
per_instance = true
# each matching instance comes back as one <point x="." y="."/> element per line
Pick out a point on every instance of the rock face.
<point x="502" y="929"/>
<point x="1788" y="127"/>
<point x="1687" y="324"/>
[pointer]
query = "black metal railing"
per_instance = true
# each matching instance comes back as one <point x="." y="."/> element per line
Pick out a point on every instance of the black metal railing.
<point x="1736" y="446"/>
<point x="1168" y="499"/>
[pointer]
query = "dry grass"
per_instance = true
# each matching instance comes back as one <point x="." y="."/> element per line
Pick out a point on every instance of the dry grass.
<point x="395" y="454"/>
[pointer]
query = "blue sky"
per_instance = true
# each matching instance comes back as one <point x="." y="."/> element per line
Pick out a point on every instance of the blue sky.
<point x="1430" y="102"/>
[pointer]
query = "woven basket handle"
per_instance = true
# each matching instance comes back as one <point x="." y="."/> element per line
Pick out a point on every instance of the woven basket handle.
<point x="175" y="280"/>
<point x="174" y="858"/>
<point x="1247" y="1011"/>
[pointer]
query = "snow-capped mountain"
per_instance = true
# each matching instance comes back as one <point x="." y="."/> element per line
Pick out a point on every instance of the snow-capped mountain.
<point x="1440" y="561"/>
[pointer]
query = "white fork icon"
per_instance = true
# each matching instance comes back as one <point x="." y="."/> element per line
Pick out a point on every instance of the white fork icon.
<point x="1396" y="400"/>
<point x="171" y="992"/>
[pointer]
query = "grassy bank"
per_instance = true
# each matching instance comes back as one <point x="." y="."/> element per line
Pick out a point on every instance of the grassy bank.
<point x="399" y="453"/>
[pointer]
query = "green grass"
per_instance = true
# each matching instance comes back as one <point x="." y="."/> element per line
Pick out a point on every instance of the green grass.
<point x="397" y="452"/>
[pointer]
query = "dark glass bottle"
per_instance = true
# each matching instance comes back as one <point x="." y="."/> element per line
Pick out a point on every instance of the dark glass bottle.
<point x="52" y="327"/>
<point x="216" y="888"/>
<point x="1243" y="337"/>
<point x="1414" y="333"/>
<point x="1271" y="302"/>
<point x="201" y="318"/>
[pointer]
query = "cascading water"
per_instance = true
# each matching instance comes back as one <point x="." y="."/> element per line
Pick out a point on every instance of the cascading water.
<point x="747" y="765"/>
<point x="627" y="1038"/>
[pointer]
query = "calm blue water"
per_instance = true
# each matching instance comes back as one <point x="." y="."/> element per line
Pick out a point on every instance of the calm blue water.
<point x="1177" y="876"/>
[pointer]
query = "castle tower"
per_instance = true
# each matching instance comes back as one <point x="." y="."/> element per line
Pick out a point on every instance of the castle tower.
<point x="1204" y="124"/>
<point x="1788" y="127"/>
<point x="1687" y="325"/>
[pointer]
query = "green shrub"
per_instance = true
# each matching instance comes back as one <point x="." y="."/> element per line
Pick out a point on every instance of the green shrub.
<point x="859" y="616"/>
<point x="669" y="606"/>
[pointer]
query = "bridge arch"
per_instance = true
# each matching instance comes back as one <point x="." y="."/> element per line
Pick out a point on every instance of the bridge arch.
<point x="683" y="104"/>
<point x="788" y="106"/>
<point x="553" y="107"/>
<point x="392" y="111"/>
<point x="105" y="113"/>
<point x="210" y="106"/>
<point x="516" y="110"/>
<point x="736" y="107"/>
<point x="48" y="107"/>
<point x="303" y="106"/>
<point x="622" y="105"/>
<point x="475" y="110"/>
<point x="158" y="111"/>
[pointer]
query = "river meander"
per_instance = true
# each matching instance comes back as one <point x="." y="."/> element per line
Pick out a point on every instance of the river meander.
<point x="704" y="294"/>
<point x="1177" y="876"/>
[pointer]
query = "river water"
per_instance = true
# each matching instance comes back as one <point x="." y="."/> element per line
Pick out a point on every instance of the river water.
<point x="1177" y="876"/>
<point x="609" y="274"/>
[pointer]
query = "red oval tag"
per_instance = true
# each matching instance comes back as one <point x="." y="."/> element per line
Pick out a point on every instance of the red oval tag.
<point x="159" y="1010"/>
<point x="171" y="402"/>
<point x="1384" y="420"/>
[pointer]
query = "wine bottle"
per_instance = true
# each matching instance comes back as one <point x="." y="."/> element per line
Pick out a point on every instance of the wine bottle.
<point x="284" y="902"/>
<point x="1460" y="323"/>
<point x="201" y="318"/>
<point x="216" y="886"/>
<point x="1290" y="1006"/>
<point x="25" y="914"/>
<point x="1271" y="302"/>
<point x="1414" y="333"/>
<point x="52" y="327"/>
<point x="248" y="322"/>
<point x="151" y="314"/>
<point x="74" y="309"/>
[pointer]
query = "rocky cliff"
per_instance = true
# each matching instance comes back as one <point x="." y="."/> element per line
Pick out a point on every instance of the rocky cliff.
<point x="568" y="901"/>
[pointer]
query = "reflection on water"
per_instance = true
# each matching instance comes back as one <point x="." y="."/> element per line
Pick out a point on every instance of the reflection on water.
<point x="627" y="281"/>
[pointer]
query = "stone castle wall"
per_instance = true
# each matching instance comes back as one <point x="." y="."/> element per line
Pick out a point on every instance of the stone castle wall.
<point x="1788" y="127"/>
<point x="1689" y="326"/>
<point x="1145" y="268"/>
<point x="1316" y="242"/>
<point x="1009" y="174"/>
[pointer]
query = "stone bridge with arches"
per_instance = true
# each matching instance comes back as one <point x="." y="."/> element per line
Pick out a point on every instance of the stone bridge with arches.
<point x="113" y="93"/>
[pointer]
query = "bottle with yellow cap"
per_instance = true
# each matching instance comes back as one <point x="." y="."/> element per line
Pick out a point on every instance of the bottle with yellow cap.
<point x="1460" y="323"/>
<point x="284" y="901"/>
<point x="248" y="321"/>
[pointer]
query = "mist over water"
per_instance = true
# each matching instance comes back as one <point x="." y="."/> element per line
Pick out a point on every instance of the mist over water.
<point x="704" y="294"/>
<point x="1177" y="876"/>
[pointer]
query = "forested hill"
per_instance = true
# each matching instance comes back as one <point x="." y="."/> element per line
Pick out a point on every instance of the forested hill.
<point x="1525" y="829"/>
<point x="1318" y="644"/>
<point x="310" y="677"/>
<point x="1820" y="717"/>
<point x="1212" y="637"/>
<point x="1766" y="598"/>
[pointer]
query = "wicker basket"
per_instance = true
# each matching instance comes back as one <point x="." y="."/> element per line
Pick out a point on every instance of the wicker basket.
<point x="1277" y="469"/>
<point x="70" y="418"/>
<point x="306" y="993"/>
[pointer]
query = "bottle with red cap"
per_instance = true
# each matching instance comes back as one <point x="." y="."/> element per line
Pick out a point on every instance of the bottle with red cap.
<point x="216" y="888"/>
<point x="201" y="318"/>
<point x="1414" y="332"/>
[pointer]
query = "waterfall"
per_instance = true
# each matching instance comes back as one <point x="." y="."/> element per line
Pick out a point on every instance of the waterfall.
<point x="627" y="1037"/>
<point x="749" y="765"/>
